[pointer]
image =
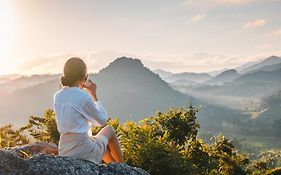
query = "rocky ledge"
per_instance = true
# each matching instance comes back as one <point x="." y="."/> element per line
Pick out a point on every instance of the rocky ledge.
<point x="41" y="158"/>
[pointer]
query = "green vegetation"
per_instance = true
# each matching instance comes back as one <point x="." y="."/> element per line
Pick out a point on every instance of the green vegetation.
<point x="166" y="143"/>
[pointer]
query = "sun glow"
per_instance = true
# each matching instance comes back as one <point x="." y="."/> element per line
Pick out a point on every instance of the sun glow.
<point x="7" y="36"/>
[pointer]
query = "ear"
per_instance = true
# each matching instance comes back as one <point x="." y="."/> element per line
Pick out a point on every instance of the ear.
<point x="81" y="83"/>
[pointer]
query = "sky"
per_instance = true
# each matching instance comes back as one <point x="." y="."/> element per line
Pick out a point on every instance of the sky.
<point x="38" y="36"/>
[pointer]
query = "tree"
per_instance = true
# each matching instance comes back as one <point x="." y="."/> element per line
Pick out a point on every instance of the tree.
<point x="43" y="128"/>
<point x="10" y="137"/>
<point x="180" y="124"/>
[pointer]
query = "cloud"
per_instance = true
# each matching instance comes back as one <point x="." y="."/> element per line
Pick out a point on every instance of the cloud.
<point x="234" y="2"/>
<point x="198" y="17"/>
<point x="264" y="46"/>
<point x="254" y="24"/>
<point x="43" y="64"/>
<point x="195" y="62"/>
<point x="54" y="63"/>
<point x="278" y="32"/>
<point x="217" y="2"/>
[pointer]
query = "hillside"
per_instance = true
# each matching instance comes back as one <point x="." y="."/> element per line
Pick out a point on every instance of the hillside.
<point x="224" y="77"/>
<point x="270" y="109"/>
<point x="162" y="73"/>
<point x="266" y="62"/>
<point x="130" y="90"/>
<point x="273" y="67"/>
<point x="189" y="77"/>
<point x="261" y="76"/>
<point x="26" y="81"/>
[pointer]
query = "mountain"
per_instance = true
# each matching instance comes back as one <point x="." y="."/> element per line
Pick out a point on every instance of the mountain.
<point x="6" y="78"/>
<point x="273" y="67"/>
<point x="217" y="72"/>
<point x="267" y="62"/>
<point x="126" y="88"/>
<point x="267" y="119"/>
<point x="188" y="77"/>
<point x="224" y="77"/>
<point x="261" y="76"/>
<point x="26" y="81"/>
<point x="162" y="73"/>
<point x="130" y="90"/>
<point x="272" y="104"/>
<point x="245" y="66"/>
<point x="3" y="80"/>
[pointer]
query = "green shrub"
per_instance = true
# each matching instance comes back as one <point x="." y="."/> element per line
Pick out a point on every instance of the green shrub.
<point x="166" y="143"/>
<point x="43" y="128"/>
<point x="10" y="137"/>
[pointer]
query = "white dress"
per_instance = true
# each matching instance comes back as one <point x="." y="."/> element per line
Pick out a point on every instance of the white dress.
<point x="76" y="113"/>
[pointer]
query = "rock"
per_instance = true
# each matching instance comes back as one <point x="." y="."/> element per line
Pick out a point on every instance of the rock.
<point x="40" y="158"/>
<point x="35" y="148"/>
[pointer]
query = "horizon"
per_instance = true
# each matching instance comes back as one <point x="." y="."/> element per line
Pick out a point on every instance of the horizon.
<point x="91" y="72"/>
<point x="176" y="36"/>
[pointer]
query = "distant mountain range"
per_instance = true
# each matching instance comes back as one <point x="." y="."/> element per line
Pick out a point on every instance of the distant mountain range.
<point x="260" y="76"/>
<point x="272" y="63"/>
<point x="271" y="106"/>
<point x="6" y="78"/>
<point x="273" y="67"/>
<point x="20" y="82"/>
<point x="163" y="74"/>
<point x="131" y="91"/>
<point x="273" y="60"/>
<point x="224" y="77"/>
<point x="126" y="87"/>
<point x="183" y="78"/>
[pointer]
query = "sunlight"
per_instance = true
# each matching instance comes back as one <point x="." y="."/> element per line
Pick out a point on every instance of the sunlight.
<point x="7" y="35"/>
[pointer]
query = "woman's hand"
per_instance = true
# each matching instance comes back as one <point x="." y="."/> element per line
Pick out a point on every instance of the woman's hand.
<point x="91" y="87"/>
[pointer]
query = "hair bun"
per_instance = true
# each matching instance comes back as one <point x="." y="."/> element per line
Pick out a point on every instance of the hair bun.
<point x="74" y="70"/>
<point x="65" y="81"/>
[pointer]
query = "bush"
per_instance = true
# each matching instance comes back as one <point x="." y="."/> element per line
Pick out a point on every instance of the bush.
<point x="43" y="128"/>
<point x="166" y="143"/>
<point x="10" y="137"/>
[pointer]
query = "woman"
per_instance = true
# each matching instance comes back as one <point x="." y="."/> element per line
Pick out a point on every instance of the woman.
<point x="77" y="109"/>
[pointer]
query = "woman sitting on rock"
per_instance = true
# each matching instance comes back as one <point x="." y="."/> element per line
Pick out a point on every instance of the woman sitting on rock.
<point x="77" y="110"/>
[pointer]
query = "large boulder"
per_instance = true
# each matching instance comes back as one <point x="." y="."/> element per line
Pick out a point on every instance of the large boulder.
<point x="40" y="158"/>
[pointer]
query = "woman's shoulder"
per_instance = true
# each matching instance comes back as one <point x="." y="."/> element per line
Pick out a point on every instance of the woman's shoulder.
<point x="74" y="92"/>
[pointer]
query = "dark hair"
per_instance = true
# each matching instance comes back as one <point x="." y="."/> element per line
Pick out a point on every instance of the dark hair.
<point x="74" y="70"/>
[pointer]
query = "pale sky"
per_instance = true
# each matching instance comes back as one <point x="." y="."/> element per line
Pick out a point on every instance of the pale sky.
<point x="37" y="36"/>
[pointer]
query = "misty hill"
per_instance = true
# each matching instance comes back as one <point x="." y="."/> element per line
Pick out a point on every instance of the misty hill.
<point x="217" y="72"/>
<point x="130" y="90"/>
<point x="271" y="106"/>
<point x="244" y="92"/>
<point x="189" y="77"/>
<point x="261" y="76"/>
<point x="274" y="67"/>
<point x="3" y="80"/>
<point x="26" y="81"/>
<point x="6" y="78"/>
<point x="126" y="88"/>
<point x="245" y="66"/>
<point x="163" y="74"/>
<point x="224" y="77"/>
<point x="267" y="62"/>
<point x="267" y="119"/>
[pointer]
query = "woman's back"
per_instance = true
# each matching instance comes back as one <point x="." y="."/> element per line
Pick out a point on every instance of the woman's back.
<point x="76" y="111"/>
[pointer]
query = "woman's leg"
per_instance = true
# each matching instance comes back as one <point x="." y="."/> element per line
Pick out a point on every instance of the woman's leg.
<point x="114" y="150"/>
<point x="107" y="157"/>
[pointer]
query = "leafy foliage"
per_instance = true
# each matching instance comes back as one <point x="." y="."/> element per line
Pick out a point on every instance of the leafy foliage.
<point x="43" y="128"/>
<point x="166" y="143"/>
<point x="10" y="137"/>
